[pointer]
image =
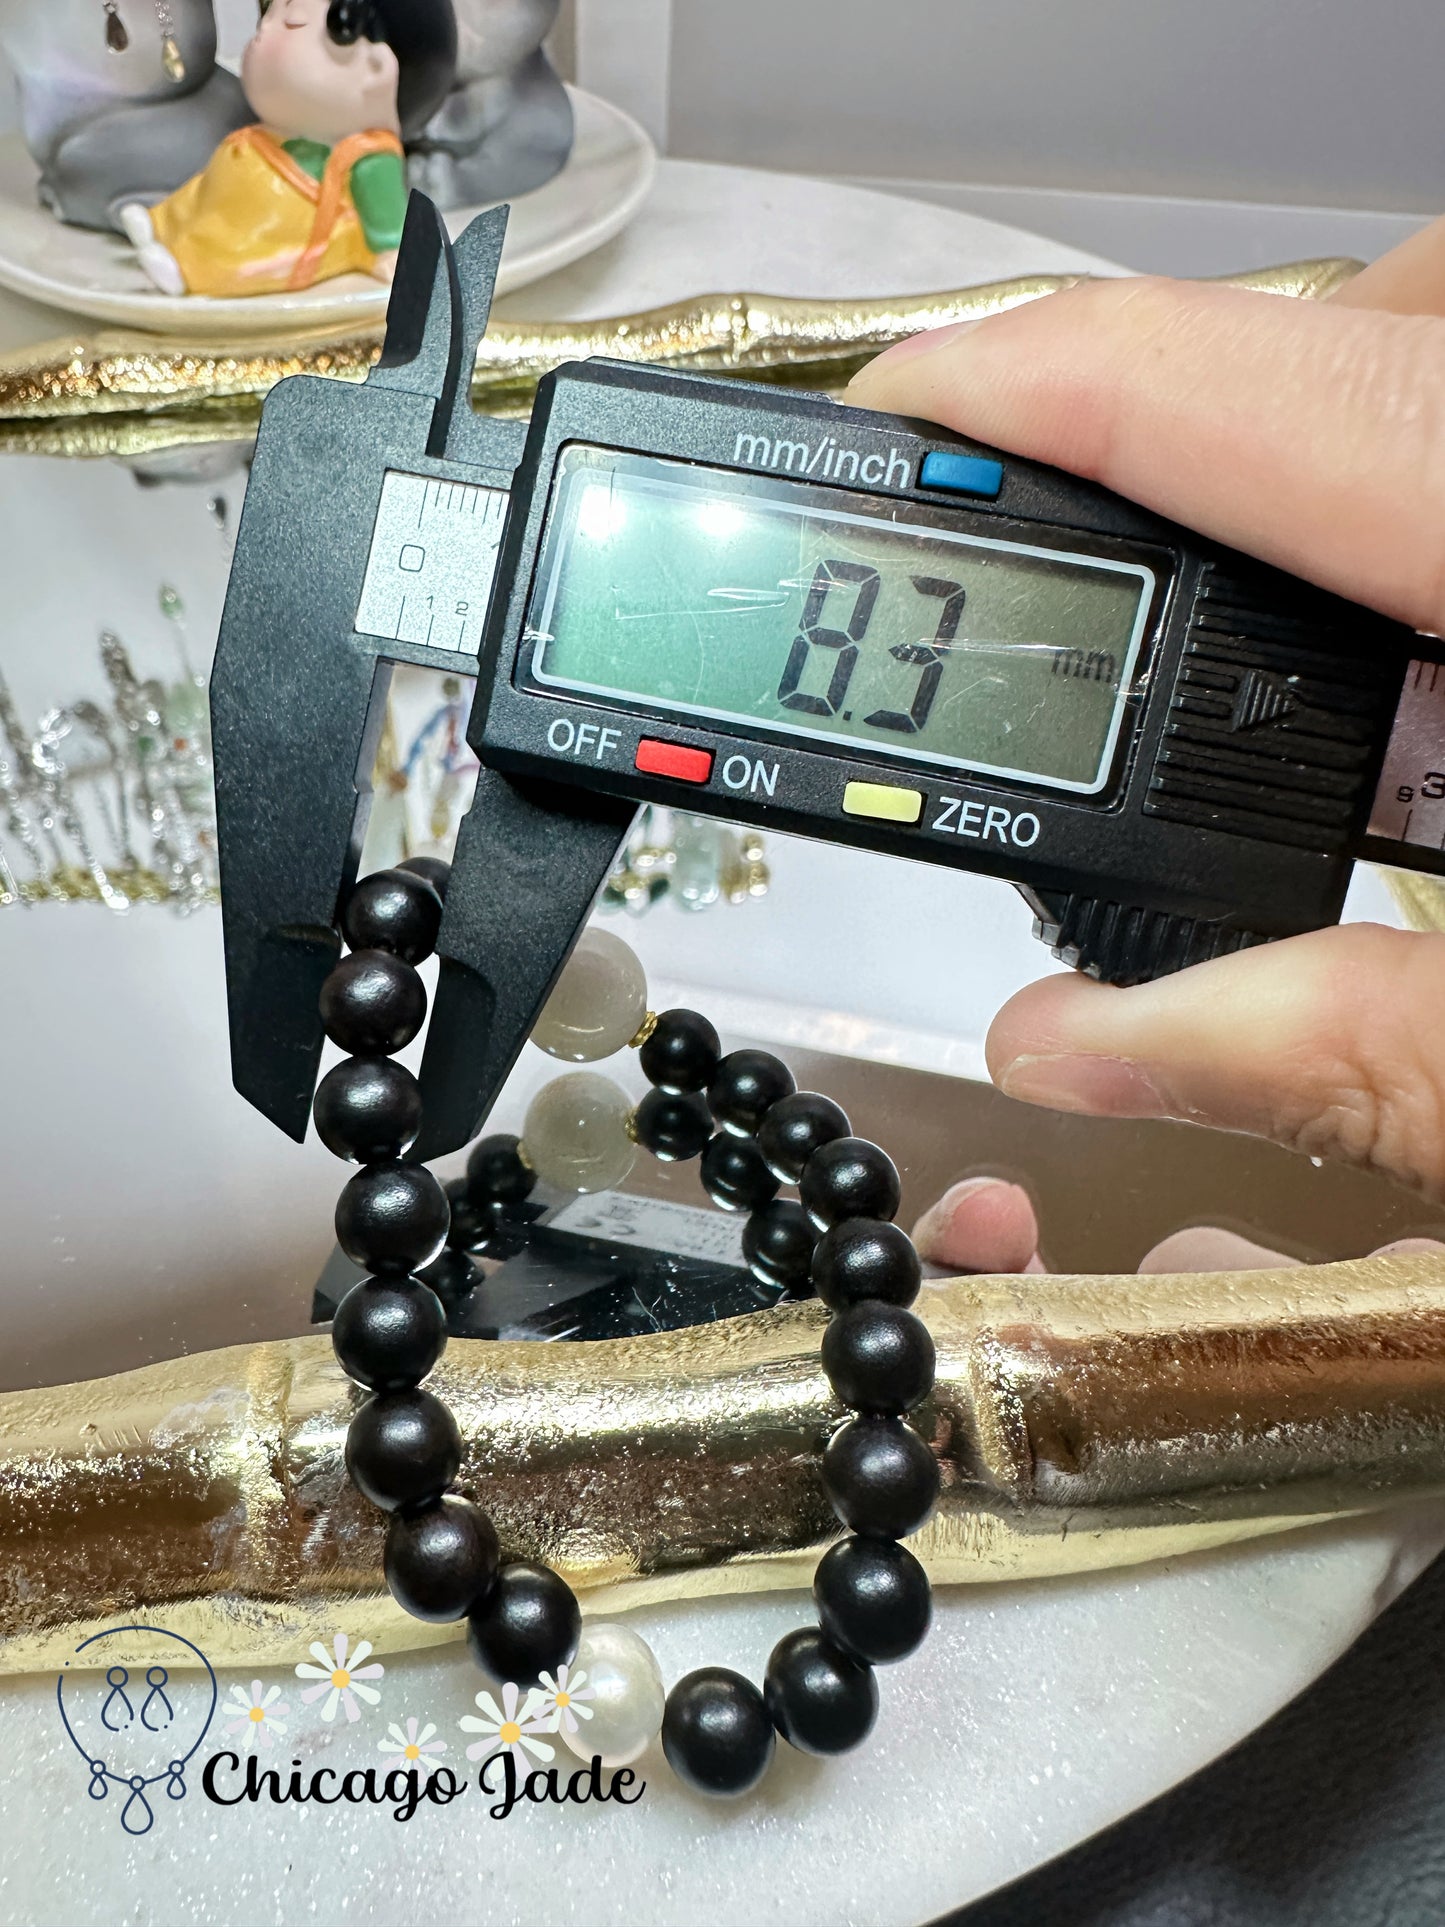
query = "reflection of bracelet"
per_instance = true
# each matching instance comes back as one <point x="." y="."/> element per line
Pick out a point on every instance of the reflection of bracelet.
<point x="403" y="1448"/>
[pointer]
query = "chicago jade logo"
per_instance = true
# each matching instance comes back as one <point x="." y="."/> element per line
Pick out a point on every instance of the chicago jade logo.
<point x="514" y="1750"/>
<point x="140" y="1725"/>
<point x="226" y="1782"/>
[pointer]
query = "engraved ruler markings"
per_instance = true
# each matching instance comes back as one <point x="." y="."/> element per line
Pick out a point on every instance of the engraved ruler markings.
<point x="432" y="559"/>
<point x="1410" y="801"/>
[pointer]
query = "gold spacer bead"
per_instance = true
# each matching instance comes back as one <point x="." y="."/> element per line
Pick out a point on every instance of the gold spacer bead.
<point x="644" y="1031"/>
<point x="652" y="856"/>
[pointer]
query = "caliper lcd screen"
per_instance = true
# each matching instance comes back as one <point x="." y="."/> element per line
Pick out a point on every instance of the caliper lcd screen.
<point x="830" y="615"/>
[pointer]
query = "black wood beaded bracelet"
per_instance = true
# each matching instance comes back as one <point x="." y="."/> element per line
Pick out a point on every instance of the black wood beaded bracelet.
<point x="754" y="1132"/>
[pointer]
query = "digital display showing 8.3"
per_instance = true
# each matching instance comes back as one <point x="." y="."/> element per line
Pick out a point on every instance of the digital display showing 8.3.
<point x="826" y="614"/>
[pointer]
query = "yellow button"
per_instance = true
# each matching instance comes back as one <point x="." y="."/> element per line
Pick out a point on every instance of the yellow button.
<point x="886" y="801"/>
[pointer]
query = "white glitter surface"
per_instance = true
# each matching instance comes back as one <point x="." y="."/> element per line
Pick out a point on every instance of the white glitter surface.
<point x="1033" y="1716"/>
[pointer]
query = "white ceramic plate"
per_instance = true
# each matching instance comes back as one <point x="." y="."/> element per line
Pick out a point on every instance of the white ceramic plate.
<point x="594" y="197"/>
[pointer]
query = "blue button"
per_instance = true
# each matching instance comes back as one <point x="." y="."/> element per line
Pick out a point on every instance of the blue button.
<point x="964" y="474"/>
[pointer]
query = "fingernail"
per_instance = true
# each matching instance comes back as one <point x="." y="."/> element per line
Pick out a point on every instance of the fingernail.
<point x="942" y="1208"/>
<point x="923" y="343"/>
<point x="1409" y="1248"/>
<point x="1101" y="1086"/>
<point x="980" y="1224"/>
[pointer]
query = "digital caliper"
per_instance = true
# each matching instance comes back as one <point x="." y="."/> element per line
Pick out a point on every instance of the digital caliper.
<point x="758" y="604"/>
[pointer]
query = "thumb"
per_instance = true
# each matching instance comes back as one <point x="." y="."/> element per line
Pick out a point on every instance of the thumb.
<point x="1328" y="1043"/>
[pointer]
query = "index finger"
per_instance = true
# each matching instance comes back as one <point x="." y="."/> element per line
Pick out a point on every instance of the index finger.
<point x="1309" y="434"/>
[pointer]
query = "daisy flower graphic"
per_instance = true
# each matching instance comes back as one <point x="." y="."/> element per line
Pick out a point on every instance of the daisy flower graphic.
<point x="411" y="1745"/>
<point x="506" y="1729"/>
<point x="562" y="1700"/>
<point x="255" y="1716"/>
<point x="340" y="1678"/>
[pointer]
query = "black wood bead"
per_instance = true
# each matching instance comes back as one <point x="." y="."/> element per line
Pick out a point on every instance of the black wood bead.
<point x="392" y="1217"/>
<point x="373" y="1003"/>
<point x="403" y="1448"/>
<point x="744" y="1088"/>
<point x="368" y="1109"/>
<point x="469" y="1223"/>
<point x="430" y="869"/>
<point x="393" y="910"/>
<point x="529" y="1624"/>
<point x="496" y="1172"/>
<point x="881" y="1477"/>
<point x="778" y="1244"/>
<point x="821" y="1699"/>
<point x="452" y="1275"/>
<point x="674" y="1126"/>
<point x="389" y="1332"/>
<point x="879" y="1357"/>
<point x="734" y="1175"/>
<point x="865" y="1259"/>
<point x="441" y="1561"/>
<point x="682" y="1053"/>
<point x="795" y="1127"/>
<point x="716" y="1732"/>
<point x="873" y="1599"/>
<point x="849" y="1178"/>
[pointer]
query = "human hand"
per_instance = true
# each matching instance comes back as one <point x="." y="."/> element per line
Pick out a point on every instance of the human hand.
<point x="986" y="1224"/>
<point x="1311" y="434"/>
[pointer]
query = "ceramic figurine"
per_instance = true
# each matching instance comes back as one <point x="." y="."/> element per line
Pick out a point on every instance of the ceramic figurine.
<point x="120" y="100"/>
<point x="317" y="186"/>
<point x="506" y="125"/>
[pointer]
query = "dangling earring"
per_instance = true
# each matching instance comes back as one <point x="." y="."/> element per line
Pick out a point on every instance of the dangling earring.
<point x="157" y="1678"/>
<point x="116" y="37"/>
<point x="170" y="53"/>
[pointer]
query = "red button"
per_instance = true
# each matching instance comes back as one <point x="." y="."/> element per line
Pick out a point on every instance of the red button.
<point x="673" y="759"/>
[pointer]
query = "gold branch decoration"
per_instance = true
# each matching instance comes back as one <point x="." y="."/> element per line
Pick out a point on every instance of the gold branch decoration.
<point x="128" y="394"/>
<point x="1080" y="1424"/>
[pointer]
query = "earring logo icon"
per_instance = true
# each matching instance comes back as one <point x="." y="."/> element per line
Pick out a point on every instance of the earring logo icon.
<point x="136" y="1726"/>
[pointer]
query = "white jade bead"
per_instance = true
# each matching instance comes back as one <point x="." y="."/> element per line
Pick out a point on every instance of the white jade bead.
<point x="627" y="1698"/>
<point x="599" y="1003"/>
<point x="575" y="1133"/>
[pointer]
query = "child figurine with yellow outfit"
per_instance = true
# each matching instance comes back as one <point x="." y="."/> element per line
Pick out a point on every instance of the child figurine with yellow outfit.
<point x="318" y="186"/>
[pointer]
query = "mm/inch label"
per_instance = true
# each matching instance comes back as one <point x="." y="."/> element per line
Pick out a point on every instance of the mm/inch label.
<point x="1410" y="801"/>
<point x="433" y="555"/>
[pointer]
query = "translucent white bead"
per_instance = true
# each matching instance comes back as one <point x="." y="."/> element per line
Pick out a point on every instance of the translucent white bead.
<point x="575" y="1133"/>
<point x="622" y="1691"/>
<point x="599" y="1003"/>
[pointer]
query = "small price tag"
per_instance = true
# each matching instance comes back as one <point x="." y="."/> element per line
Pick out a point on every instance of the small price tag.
<point x="658" y="1224"/>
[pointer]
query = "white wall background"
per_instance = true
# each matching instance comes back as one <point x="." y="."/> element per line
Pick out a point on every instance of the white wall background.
<point x="1182" y="135"/>
<point x="1332" y="101"/>
<point x="1188" y="135"/>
